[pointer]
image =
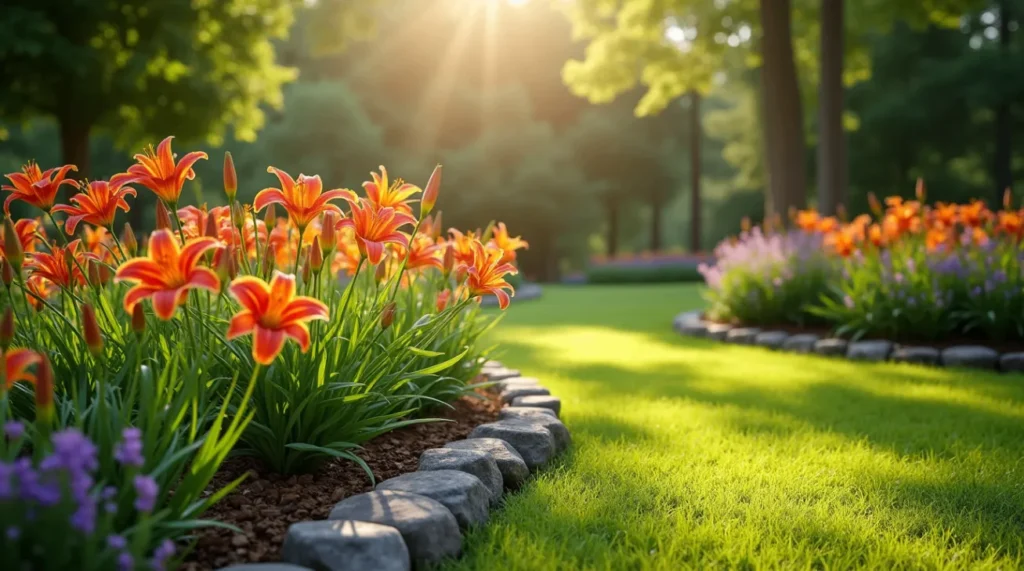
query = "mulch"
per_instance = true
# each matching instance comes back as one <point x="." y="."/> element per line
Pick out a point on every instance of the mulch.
<point x="265" y="504"/>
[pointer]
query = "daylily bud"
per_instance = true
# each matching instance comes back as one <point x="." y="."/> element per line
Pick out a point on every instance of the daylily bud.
<point x="163" y="217"/>
<point x="7" y="329"/>
<point x="230" y="177"/>
<point x="271" y="217"/>
<point x="745" y="224"/>
<point x="841" y="213"/>
<point x="211" y="226"/>
<point x="449" y="260"/>
<point x="437" y="226"/>
<point x="873" y="203"/>
<point x="94" y="272"/>
<point x="382" y="271"/>
<point x="1007" y="199"/>
<point x="307" y="272"/>
<point x="268" y="259"/>
<point x="12" y="245"/>
<point x="44" y="393"/>
<point x="128" y="240"/>
<point x="919" y="191"/>
<point x="328" y="232"/>
<point x="138" y="320"/>
<point x="91" y="331"/>
<point x="6" y="273"/>
<point x="442" y="300"/>
<point x="226" y="267"/>
<point x="430" y="192"/>
<point x="237" y="215"/>
<point x="387" y="317"/>
<point x="316" y="255"/>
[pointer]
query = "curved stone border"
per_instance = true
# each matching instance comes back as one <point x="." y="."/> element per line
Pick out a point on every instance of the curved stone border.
<point x="692" y="324"/>
<point x="417" y="518"/>
<point x="525" y="292"/>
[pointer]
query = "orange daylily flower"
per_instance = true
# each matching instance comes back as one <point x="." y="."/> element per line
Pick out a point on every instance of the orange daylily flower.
<point x="1012" y="224"/>
<point x="157" y="171"/>
<point x="374" y="227"/>
<point x="507" y="244"/>
<point x="423" y="253"/>
<point x="937" y="237"/>
<point x="303" y="199"/>
<point x="17" y="363"/>
<point x="486" y="275"/>
<point x="979" y="236"/>
<point x="41" y="287"/>
<point x="61" y="265"/>
<point x="26" y="230"/>
<point x="347" y="257"/>
<point x="828" y="224"/>
<point x="194" y="221"/>
<point x="807" y="220"/>
<point x="394" y="196"/>
<point x="168" y="273"/>
<point x="945" y="214"/>
<point x="98" y="203"/>
<point x="272" y="313"/>
<point x="975" y="214"/>
<point x="461" y="245"/>
<point x="38" y="188"/>
<point x="842" y="242"/>
<point x="442" y="300"/>
<point x="876" y="236"/>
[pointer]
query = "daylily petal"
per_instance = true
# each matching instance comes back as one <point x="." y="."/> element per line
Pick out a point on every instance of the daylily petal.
<point x="165" y="302"/>
<point x="300" y="333"/>
<point x="252" y="293"/>
<point x="267" y="344"/>
<point x="242" y="323"/>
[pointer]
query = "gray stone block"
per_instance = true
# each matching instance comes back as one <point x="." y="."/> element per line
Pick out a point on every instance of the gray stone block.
<point x="514" y="471"/>
<point x="800" y="343"/>
<point x="717" y="331"/>
<point x="463" y="494"/>
<point x="831" y="347"/>
<point x="1012" y="362"/>
<point x="869" y="350"/>
<point x="558" y="430"/>
<point x="539" y="401"/>
<point x="534" y="443"/>
<point x="742" y="335"/>
<point x="429" y="529"/>
<point x="771" y="339"/>
<point x="973" y="356"/>
<point x="920" y="355"/>
<point x="521" y="411"/>
<point x="511" y="393"/>
<point x="472" y="462"/>
<point x="341" y="545"/>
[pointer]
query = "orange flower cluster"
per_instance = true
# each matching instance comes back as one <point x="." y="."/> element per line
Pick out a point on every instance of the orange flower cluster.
<point x="941" y="225"/>
<point x="225" y="249"/>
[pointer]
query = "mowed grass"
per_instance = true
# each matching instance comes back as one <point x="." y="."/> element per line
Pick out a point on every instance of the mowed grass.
<point x="695" y="455"/>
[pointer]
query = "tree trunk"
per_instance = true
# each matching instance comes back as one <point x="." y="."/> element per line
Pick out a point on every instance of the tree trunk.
<point x="656" y="215"/>
<point x="1002" y="163"/>
<point x="695" y="172"/>
<point x="831" y="137"/>
<point x="612" y="239"/>
<point x="784" y="122"/>
<point x="74" y="144"/>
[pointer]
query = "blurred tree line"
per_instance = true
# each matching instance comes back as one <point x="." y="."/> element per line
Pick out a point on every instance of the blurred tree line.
<point x="478" y="87"/>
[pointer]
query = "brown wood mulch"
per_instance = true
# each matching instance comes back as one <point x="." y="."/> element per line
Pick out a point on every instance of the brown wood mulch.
<point x="265" y="504"/>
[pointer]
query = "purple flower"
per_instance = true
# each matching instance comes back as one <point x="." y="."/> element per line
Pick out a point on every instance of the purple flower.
<point x="129" y="451"/>
<point x="13" y="532"/>
<point x="84" y="518"/>
<point x="146" y="491"/>
<point x="125" y="562"/>
<point x="162" y="553"/>
<point x="848" y="302"/>
<point x="14" y="430"/>
<point x="116" y="542"/>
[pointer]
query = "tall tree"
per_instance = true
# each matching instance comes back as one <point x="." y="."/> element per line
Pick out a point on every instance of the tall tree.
<point x="140" y="70"/>
<point x="831" y="135"/>
<point x="1003" y="155"/>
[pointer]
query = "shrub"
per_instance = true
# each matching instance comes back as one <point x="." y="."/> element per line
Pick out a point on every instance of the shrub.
<point x="229" y="330"/>
<point x="644" y="271"/>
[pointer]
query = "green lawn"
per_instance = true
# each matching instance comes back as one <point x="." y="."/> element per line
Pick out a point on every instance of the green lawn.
<point x="691" y="454"/>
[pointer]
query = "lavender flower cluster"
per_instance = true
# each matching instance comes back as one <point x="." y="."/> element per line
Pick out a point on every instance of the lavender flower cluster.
<point x="62" y="486"/>
<point x="765" y="254"/>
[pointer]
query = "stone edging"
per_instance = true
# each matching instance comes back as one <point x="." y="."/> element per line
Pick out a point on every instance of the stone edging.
<point x="416" y="519"/>
<point x="691" y="324"/>
<point x="525" y="292"/>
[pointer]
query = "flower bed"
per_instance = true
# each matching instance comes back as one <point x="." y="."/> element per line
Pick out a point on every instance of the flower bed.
<point x="910" y="273"/>
<point x="645" y="268"/>
<point x="133" y="370"/>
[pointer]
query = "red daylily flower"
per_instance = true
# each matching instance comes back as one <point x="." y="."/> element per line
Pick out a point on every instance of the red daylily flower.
<point x="59" y="264"/>
<point x="303" y="199"/>
<point x="506" y="243"/>
<point x="374" y="227"/>
<point x="424" y="253"/>
<point x="17" y="363"/>
<point x="26" y="230"/>
<point x="272" y="313"/>
<point x="38" y="188"/>
<point x="98" y="203"/>
<point x="394" y="196"/>
<point x="486" y="275"/>
<point x="168" y="273"/>
<point x="158" y="172"/>
<point x="41" y="287"/>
